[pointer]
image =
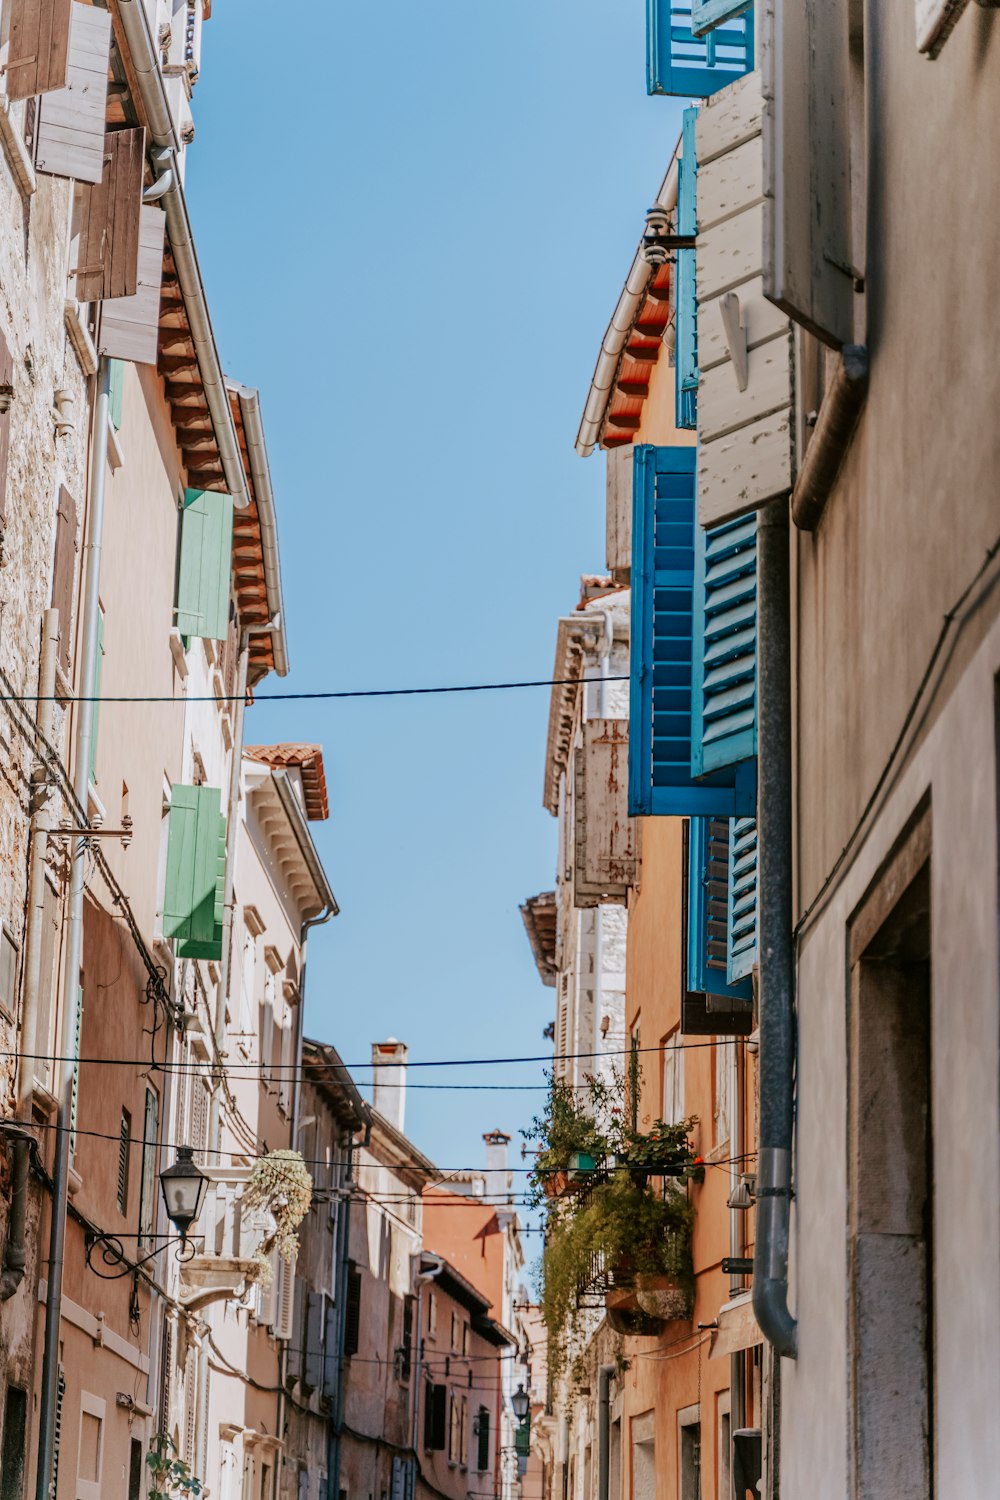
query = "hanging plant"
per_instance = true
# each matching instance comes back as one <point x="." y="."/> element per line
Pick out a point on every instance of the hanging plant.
<point x="280" y="1187"/>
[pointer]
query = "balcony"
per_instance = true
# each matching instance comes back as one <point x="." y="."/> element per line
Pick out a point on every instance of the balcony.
<point x="224" y="1264"/>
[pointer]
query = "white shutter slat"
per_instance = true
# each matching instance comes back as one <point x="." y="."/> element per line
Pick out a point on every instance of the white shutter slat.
<point x="70" y="128"/>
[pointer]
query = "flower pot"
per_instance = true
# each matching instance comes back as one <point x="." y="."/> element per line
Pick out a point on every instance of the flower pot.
<point x="646" y="1307"/>
<point x="555" y="1184"/>
<point x="581" y="1166"/>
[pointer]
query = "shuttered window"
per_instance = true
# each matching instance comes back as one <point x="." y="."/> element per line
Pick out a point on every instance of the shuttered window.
<point x="352" y="1313"/>
<point x="63" y="575"/>
<point x="741" y="927"/>
<point x="108" y="264"/>
<point x="69" y="122"/>
<point x="435" y="1417"/>
<point x="483" y="1435"/>
<point x="724" y="706"/>
<point x="692" y="67"/>
<point x="38" y="46"/>
<point x="708" y="911"/>
<point x="686" y="307"/>
<point x="205" y="565"/>
<point x="196" y="872"/>
<point x="661" y="692"/>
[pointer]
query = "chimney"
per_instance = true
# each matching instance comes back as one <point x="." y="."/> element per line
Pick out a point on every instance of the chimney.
<point x="389" y="1080"/>
<point x="498" y="1178"/>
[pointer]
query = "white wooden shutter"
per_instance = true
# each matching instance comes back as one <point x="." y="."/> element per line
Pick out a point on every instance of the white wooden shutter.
<point x="285" y="1299"/>
<point x="935" y="22"/>
<point x="606" y="838"/>
<point x="807" y="175"/>
<point x="745" y="390"/>
<point x="70" y="129"/>
<point x="130" y="326"/>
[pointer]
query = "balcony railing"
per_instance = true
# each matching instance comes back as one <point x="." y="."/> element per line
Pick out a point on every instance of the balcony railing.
<point x="226" y="1239"/>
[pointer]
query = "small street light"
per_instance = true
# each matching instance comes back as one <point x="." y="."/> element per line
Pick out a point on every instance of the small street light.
<point x="521" y="1402"/>
<point x="184" y="1187"/>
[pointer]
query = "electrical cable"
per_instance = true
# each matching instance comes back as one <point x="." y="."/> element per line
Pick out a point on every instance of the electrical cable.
<point x="320" y="696"/>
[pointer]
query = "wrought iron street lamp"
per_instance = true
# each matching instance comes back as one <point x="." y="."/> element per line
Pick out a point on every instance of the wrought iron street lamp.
<point x="184" y="1186"/>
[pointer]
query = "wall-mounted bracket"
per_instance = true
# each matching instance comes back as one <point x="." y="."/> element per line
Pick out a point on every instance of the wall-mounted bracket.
<point x="736" y="337"/>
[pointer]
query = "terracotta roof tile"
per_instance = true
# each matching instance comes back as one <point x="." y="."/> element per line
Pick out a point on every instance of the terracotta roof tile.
<point x="308" y="760"/>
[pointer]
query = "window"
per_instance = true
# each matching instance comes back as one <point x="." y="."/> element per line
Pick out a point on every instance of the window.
<point x="673" y="1078"/>
<point x="435" y="1416"/>
<point x="466" y="1337"/>
<point x="90" y="1457"/>
<point x="124" y="1152"/>
<point x="135" y="1470"/>
<point x="723" y="1468"/>
<point x="352" y="1312"/>
<point x="483" y="1439"/>
<point x="406" y="1349"/>
<point x="147" y="1184"/>
<point x="456" y="1334"/>
<point x="689" y="1453"/>
<point x="15" y="1444"/>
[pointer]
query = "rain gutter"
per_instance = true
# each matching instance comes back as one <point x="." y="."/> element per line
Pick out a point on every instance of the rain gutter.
<point x="260" y="471"/>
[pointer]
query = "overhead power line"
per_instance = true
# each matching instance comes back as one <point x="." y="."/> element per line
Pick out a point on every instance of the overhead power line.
<point x="322" y="695"/>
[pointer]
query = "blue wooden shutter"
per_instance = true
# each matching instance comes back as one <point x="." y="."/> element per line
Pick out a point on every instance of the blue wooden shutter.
<point x="686" y="301"/>
<point x="196" y="872"/>
<point x="663" y="573"/>
<point x="205" y="566"/>
<point x="741" y="927"/>
<point x="678" y="62"/>
<point x="724" y="702"/>
<point x="706" y="15"/>
<point x="708" y="911"/>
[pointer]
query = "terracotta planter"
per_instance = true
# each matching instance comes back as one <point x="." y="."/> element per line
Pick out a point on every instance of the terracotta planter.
<point x="647" y="1306"/>
<point x="555" y="1184"/>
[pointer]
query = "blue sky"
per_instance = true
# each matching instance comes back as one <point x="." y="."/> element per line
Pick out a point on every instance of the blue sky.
<point x="413" y="223"/>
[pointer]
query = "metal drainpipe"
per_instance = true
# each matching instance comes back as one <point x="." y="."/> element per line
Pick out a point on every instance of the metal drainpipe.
<point x="737" y="1361"/>
<point x="74" y="942"/>
<point x="14" y="1254"/>
<point x="774" y="833"/>
<point x="335" y="1428"/>
<point x="605" y="1375"/>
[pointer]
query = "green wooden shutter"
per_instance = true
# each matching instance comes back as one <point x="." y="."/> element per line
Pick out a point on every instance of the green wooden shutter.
<point x="205" y="566"/>
<point x="196" y="872"/>
<point x="98" y="680"/>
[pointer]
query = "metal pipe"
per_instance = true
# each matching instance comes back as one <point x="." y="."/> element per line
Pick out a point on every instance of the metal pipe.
<point x="90" y="607"/>
<point x="335" y="1429"/>
<point x="605" y="1375"/>
<point x="838" y="416"/>
<point x="774" y="833"/>
<point x="735" y="1159"/>
<point x="143" y="57"/>
<point x="14" y="1253"/>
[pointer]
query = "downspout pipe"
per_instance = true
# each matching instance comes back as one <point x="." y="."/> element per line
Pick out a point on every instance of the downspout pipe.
<point x="336" y="1425"/>
<point x="14" y="1253"/>
<point x="74" y="937"/>
<point x="605" y="1375"/>
<point x="143" y="56"/>
<point x="774" y="830"/>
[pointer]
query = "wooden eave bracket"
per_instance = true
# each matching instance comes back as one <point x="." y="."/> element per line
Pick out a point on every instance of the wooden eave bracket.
<point x="835" y="424"/>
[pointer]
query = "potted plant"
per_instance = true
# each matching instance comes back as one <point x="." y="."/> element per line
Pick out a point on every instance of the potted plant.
<point x="662" y="1151"/>
<point x="571" y="1142"/>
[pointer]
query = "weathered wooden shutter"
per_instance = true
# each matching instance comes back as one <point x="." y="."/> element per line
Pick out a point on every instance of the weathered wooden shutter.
<point x="124" y="1152"/>
<point x="807" y="180"/>
<point x="38" y="46"/>
<point x="936" y="21"/>
<point x="69" y="124"/>
<point x="312" y="1370"/>
<point x="64" y="575"/>
<point x="724" y="711"/>
<point x="686" y="303"/>
<point x="660" y="728"/>
<point x="205" y="569"/>
<point x="352" y="1312"/>
<point x="285" y="1298"/>
<point x="196" y="872"/>
<point x="166" y="1375"/>
<point x="746" y="385"/>
<point x="741" y="932"/>
<point x="109" y="212"/>
<point x="98" y="683"/>
<point x="296" y="1328"/>
<point x="7" y="392"/>
<point x="678" y="62"/>
<point x="130" y="326"/>
<point x="331" y="1352"/>
<point x="483" y="1434"/>
<point x="147" y="1185"/>
<point x="618" y="513"/>
<point x="606" y="837"/>
<point x="708" y="911"/>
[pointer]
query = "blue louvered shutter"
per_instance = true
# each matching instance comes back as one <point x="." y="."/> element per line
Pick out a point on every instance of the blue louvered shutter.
<point x="663" y="575"/>
<point x="741" y="926"/>
<point x="686" y="307"/>
<point x="708" y="911"/>
<point x="679" y="62"/>
<point x="724" y="698"/>
<point x="706" y="15"/>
